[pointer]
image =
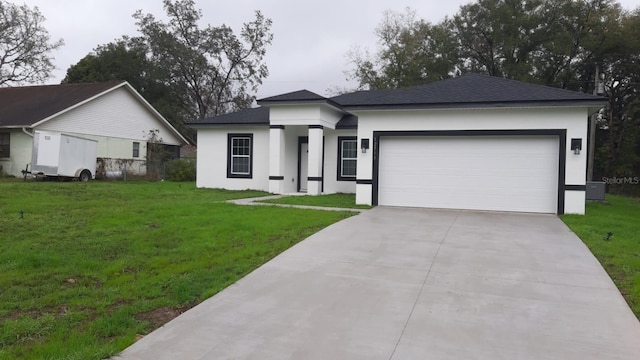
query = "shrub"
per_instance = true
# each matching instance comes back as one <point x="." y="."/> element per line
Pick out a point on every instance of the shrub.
<point x="181" y="170"/>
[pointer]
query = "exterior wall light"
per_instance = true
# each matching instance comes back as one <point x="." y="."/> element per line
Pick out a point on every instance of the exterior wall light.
<point x="576" y="146"/>
<point x="364" y="145"/>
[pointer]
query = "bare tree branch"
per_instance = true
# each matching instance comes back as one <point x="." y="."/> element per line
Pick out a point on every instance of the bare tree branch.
<point x="24" y="45"/>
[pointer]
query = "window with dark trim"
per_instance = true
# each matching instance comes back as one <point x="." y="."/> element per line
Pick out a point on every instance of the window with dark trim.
<point x="5" y="145"/>
<point x="347" y="158"/>
<point x="239" y="155"/>
<point x="136" y="149"/>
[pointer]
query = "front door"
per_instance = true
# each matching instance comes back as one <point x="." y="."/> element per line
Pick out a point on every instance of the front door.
<point x="303" y="164"/>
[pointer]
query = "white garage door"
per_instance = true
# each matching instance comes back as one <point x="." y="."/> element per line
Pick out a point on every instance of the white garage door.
<point x="501" y="173"/>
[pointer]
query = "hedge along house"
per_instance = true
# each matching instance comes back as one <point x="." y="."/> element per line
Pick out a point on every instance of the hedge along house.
<point x="114" y="114"/>
<point x="473" y="142"/>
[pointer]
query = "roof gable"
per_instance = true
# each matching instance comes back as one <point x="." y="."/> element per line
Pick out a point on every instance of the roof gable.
<point x="28" y="105"/>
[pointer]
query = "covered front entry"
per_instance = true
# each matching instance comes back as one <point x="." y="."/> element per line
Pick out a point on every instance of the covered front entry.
<point x="297" y="159"/>
<point x="494" y="172"/>
<point x="303" y="163"/>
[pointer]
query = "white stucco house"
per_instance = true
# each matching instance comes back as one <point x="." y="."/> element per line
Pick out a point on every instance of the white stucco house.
<point x="114" y="114"/>
<point x="472" y="142"/>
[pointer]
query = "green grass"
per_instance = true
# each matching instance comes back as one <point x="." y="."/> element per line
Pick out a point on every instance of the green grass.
<point x="345" y="201"/>
<point x="620" y="255"/>
<point x="92" y="265"/>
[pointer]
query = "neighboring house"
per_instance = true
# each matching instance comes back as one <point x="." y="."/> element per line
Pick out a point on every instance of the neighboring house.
<point x="114" y="114"/>
<point x="472" y="142"/>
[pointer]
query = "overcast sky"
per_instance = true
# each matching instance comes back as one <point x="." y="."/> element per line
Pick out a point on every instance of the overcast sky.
<point x="311" y="38"/>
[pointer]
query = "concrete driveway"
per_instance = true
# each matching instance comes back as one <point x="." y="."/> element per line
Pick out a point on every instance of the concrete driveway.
<point x="397" y="283"/>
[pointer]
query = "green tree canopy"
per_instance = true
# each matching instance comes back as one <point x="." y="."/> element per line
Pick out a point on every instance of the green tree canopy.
<point x="210" y="70"/>
<point x="411" y="52"/>
<point x="187" y="72"/>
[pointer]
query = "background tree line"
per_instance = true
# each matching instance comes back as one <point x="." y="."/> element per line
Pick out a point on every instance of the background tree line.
<point x="560" y="43"/>
<point x="187" y="72"/>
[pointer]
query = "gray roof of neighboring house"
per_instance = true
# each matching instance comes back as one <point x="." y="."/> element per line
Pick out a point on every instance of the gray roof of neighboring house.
<point x="466" y="90"/>
<point x="27" y="105"/>
<point x="471" y="90"/>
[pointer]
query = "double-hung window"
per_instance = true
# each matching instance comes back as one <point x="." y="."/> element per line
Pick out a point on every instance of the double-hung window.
<point x="5" y="145"/>
<point x="240" y="155"/>
<point x="347" y="158"/>
<point x="136" y="149"/>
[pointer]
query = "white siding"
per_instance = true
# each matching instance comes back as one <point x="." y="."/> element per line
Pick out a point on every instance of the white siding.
<point x="20" y="152"/>
<point x="331" y="183"/>
<point x="116" y="114"/>
<point x="212" y="159"/>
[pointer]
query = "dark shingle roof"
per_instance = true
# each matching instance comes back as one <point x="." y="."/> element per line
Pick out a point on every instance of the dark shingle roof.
<point x="348" y="122"/>
<point x="471" y="90"/>
<point x="27" y="105"/>
<point x="253" y="116"/>
<point x="466" y="90"/>
<point x="301" y="95"/>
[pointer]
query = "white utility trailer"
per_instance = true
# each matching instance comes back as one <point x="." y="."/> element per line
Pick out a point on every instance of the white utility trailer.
<point x="61" y="155"/>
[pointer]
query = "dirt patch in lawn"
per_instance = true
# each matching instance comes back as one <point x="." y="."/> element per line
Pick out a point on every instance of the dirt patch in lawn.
<point x="160" y="316"/>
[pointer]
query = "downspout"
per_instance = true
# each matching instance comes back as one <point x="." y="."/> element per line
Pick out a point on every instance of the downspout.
<point x="24" y="130"/>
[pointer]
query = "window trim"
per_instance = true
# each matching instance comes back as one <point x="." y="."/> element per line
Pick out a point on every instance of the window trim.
<point x="136" y="150"/>
<point x="230" y="173"/>
<point x="341" y="177"/>
<point x="8" y="145"/>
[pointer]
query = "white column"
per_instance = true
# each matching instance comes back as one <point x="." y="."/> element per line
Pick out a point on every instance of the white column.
<point x="314" y="184"/>
<point x="276" y="159"/>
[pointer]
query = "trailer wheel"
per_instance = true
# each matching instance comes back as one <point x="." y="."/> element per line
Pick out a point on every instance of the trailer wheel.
<point x="85" y="176"/>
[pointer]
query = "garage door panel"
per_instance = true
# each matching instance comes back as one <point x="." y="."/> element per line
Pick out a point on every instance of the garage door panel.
<point x="479" y="173"/>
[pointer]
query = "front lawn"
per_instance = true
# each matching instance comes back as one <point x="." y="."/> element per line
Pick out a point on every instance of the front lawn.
<point x="619" y="253"/>
<point x="344" y="201"/>
<point x="87" y="267"/>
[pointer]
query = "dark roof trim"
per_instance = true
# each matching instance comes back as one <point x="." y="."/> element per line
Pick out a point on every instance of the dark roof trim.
<point x="471" y="105"/>
<point x="207" y="125"/>
<point x="300" y="102"/>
